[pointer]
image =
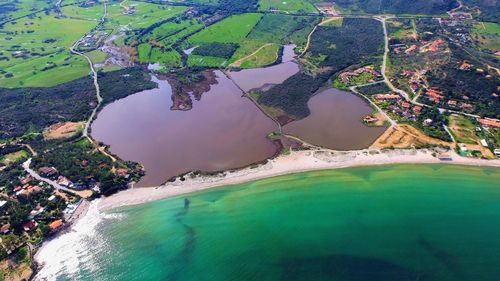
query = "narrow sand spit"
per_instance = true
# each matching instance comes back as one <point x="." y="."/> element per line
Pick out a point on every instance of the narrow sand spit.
<point x="297" y="161"/>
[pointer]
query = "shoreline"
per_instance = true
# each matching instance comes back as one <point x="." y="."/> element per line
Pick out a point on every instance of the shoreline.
<point x="296" y="162"/>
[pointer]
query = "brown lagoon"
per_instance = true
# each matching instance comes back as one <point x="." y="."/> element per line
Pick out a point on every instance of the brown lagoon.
<point x="223" y="130"/>
<point x="335" y="122"/>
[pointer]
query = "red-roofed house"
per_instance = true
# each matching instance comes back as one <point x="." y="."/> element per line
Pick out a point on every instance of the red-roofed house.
<point x="56" y="225"/>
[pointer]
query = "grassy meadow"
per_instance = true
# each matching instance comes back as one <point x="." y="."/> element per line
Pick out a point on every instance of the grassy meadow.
<point x="290" y="6"/>
<point x="145" y="14"/>
<point x="34" y="50"/>
<point x="262" y="44"/>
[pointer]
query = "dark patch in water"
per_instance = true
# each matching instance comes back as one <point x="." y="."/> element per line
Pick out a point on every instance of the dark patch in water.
<point x="183" y="259"/>
<point x="445" y="258"/>
<point x="347" y="268"/>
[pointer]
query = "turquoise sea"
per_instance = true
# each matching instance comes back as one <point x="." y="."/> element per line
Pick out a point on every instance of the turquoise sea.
<point x="402" y="222"/>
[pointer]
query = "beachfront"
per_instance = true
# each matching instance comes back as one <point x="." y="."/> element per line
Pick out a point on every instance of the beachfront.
<point x="295" y="162"/>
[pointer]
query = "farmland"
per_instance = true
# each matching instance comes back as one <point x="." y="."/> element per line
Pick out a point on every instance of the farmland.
<point x="262" y="44"/>
<point x="230" y="30"/>
<point x="290" y="6"/>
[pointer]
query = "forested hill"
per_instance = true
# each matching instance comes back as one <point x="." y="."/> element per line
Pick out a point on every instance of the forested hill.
<point x="398" y="6"/>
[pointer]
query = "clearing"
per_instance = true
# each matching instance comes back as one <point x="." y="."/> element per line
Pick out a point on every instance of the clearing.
<point x="63" y="130"/>
<point x="404" y="136"/>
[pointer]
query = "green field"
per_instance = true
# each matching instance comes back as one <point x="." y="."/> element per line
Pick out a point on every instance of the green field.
<point x="230" y="30"/>
<point x="35" y="51"/>
<point x="463" y="129"/>
<point x="291" y="6"/>
<point x="144" y="51"/>
<point x="145" y="14"/>
<point x="97" y="56"/>
<point x="169" y="58"/>
<point x="488" y="34"/>
<point x="88" y="13"/>
<point x="15" y="9"/>
<point x="262" y="44"/>
<point x="205" y="61"/>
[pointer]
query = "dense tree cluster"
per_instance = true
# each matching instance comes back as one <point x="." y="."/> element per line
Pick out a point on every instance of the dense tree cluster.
<point x="399" y="6"/>
<point x="122" y="83"/>
<point x="26" y="109"/>
<point x="83" y="165"/>
<point x="476" y="86"/>
<point x="215" y="49"/>
<point x="354" y="42"/>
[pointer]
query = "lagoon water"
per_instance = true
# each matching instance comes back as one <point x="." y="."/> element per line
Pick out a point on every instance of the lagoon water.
<point x="222" y="131"/>
<point x="404" y="222"/>
<point x="336" y="122"/>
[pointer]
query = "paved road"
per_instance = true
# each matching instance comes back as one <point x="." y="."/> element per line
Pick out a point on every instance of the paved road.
<point x="73" y="50"/>
<point x="383" y="20"/>
<point x="26" y="166"/>
<point x="354" y="89"/>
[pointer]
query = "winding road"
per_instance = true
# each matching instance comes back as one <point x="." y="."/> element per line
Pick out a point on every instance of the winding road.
<point x="86" y="129"/>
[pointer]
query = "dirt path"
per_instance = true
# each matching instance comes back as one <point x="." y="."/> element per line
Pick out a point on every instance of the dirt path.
<point x="241" y="60"/>
<point x="329" y="20"/>
<point x="308" y="41"/>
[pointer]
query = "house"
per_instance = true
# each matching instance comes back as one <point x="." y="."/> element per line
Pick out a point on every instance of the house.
<point x="405" y="104"/>
<point x="484" y="143"/>
<point x="65" y="182"/>
<point x="25" y="181"/>
<point x="434" y="94"/>
<point x="465" y="66"/>
<point x="56" y="225"/>
<point x="3" y="203"/>
<point x="4" y="229"/>
<point x="411" y="49"/>
<point x="463" y="147"/>
<point x="52" y="198"/>
<point x="382" y="97"/>
<point x="497" y="152"/>
<point x="444" y="157"/>
<point x="48" y="171"/>
<point x="466" y="105"/>
<point x="29" y="225"/>
<point x="490" y="122"/>
<point x="369" y="119"/>
<point x="428" y="122"/>
<point x="417" y="109"/>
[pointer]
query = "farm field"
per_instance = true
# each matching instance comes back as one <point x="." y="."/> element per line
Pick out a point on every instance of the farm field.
<point x="290" y="6"/>
<point x="230" y="30"/>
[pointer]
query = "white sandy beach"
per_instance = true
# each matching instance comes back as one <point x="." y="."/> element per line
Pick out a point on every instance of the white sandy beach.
<point x="297" y="161"/>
